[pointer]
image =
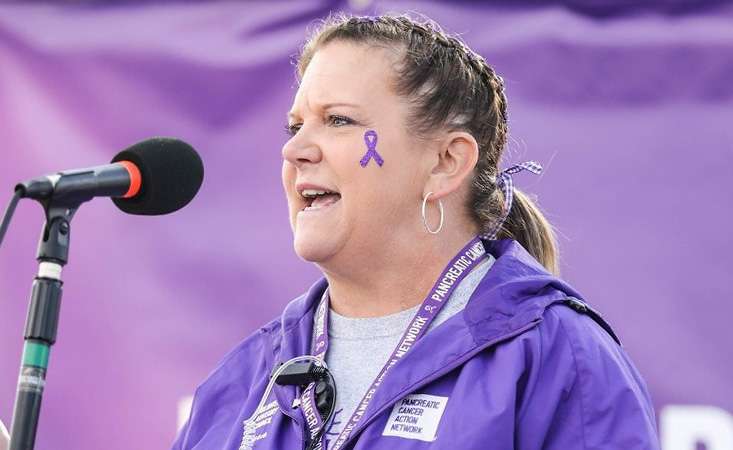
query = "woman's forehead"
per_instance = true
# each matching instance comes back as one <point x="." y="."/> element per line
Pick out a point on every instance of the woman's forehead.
<point x="346" y="73"/>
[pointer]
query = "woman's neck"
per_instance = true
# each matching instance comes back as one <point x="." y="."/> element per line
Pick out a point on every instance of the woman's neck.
<point x="393" y="280"/>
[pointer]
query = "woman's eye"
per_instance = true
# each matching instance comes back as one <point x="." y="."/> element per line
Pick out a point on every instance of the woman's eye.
<point x="339" y="121"/>
<point x="291" y="130"/>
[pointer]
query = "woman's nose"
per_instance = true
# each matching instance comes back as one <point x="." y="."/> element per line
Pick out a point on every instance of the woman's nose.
<point x="301" y="150"/>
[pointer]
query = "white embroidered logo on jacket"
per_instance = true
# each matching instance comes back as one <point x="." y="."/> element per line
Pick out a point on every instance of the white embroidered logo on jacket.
<point x="253" y="431"/>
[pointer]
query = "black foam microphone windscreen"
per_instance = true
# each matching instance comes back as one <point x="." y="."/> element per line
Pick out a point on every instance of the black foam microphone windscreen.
<point x="171" y="171"/>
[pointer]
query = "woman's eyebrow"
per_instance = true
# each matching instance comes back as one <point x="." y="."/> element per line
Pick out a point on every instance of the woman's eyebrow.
<point x="326" y="106"/>
<point x="331" y="105"/>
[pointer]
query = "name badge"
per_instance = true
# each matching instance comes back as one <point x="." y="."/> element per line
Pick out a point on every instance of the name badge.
<point x="416" y="416"/>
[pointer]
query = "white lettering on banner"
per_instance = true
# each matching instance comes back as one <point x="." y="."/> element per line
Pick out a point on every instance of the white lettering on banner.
<point x="685" y="427"/>
<point x="416" y="416"/>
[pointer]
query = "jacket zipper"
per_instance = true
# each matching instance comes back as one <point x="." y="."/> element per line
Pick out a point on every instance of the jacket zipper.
<point x="432" y="377"/>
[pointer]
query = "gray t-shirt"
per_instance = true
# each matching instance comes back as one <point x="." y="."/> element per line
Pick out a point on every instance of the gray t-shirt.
<point x="358" y="348"/>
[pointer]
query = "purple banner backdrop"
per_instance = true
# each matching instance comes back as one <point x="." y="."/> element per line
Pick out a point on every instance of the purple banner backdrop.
<point x="630" y="110"/>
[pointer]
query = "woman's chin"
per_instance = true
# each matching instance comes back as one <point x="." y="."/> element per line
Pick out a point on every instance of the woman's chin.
<point x="314" y="247"/>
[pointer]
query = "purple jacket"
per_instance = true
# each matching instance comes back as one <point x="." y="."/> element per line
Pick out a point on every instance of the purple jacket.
<point x="527" y="365"/>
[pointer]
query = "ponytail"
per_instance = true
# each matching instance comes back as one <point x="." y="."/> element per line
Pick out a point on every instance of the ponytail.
<point x="527" y="225"/>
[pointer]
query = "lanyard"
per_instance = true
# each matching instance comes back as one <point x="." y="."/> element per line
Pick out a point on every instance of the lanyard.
<point x="456" y="270"/>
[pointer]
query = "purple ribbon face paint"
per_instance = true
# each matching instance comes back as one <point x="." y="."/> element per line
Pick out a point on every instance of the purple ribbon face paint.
<point x="370" y="139"/>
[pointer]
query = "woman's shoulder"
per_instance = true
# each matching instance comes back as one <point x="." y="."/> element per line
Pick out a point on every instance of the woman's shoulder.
<point x="564" y="332"/>
<point x="572" y="333"/>
<point x="576" y="322"/>
<point x="579" y="369"/>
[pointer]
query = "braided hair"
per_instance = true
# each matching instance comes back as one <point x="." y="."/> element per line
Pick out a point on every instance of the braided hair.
<point x="451" y="87"/>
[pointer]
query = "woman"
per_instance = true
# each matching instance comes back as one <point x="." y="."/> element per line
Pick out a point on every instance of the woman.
<point x="440" y="316"/>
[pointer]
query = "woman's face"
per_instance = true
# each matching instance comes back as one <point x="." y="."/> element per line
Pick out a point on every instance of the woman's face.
<point x="346" y="91"/>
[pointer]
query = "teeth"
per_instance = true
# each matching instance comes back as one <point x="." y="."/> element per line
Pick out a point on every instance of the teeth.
<point x="312" y="192"/>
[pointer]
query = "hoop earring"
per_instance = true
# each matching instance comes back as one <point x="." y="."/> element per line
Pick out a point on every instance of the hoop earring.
<point x="424" y="218"/>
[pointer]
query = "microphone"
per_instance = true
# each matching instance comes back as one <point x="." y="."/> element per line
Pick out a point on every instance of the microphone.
<point x="153" y="177"/>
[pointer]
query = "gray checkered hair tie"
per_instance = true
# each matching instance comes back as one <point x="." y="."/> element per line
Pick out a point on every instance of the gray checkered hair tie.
<point x="506" y="185"/>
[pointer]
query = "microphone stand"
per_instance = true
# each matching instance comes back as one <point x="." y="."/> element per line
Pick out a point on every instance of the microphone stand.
<point x="43" y="317"/>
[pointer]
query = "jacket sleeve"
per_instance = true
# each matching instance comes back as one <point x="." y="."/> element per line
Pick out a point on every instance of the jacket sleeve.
<point x="582" y="390"/>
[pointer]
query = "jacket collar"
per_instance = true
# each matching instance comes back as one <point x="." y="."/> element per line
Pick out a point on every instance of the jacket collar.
<point x="515" y="292"/>
<point x="510" y="299"/>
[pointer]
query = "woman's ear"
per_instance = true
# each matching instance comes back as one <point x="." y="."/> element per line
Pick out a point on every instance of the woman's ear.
<point x="457" y="157"/>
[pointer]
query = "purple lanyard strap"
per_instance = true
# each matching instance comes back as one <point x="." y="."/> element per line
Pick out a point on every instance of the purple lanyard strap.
<point x="458" y="268"/>
<point x="308" y="399"/>
<point x="506" y="184"/>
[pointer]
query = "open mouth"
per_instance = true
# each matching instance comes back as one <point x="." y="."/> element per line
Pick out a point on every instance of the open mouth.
<point x="318" y="199"/>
